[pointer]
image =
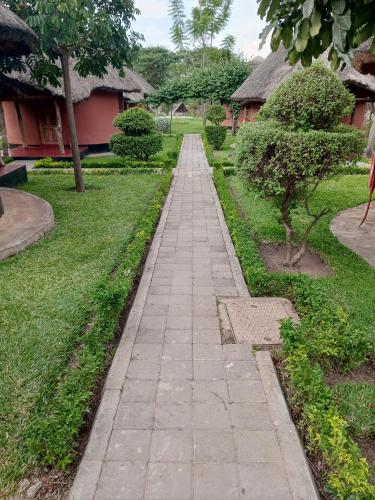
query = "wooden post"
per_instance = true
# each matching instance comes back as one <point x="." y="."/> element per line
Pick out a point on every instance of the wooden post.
<point x="3" y="131"/>
<point x="20" y="123"/>
<point x="59" y="127"/>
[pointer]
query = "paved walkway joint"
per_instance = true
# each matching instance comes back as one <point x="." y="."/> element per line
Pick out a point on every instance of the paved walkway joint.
<point x="182" y="416"/>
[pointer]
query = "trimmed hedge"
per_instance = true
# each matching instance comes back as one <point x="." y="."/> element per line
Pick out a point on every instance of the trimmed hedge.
<point x="215" y="135"/>
<point x="107" y="163"/>
<point x="58" y="420"/>
<point x="137" y="147"/>
<point x="324" y="337"/>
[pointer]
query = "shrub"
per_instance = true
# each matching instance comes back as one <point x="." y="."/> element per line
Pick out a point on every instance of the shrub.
<point x="49" y="163"/>
<point x="326" y="431"/>
<point x="216" y="114"/>
<point x="135" y="121"/>
<point x="313" y="98"/>
<point x="162" y="125"/>
<point x="295" y="144"/>
<point x="139" y="139"/>
<point x="215" y="135"/>
<point x="137" y="147"/>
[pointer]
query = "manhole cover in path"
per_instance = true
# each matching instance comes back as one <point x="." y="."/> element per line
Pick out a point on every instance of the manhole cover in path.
<point x="254" y="321"/>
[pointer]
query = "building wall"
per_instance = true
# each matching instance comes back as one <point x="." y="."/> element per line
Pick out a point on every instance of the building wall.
<point x="94" y="119"/>
<point x="29" y="118"/>
<point x="250" y="110"/>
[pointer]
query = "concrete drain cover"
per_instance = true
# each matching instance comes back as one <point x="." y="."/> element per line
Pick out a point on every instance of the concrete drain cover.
<point x="253" y="321"/>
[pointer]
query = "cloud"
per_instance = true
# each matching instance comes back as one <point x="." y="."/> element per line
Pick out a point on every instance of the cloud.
<point x="152" y="9"/>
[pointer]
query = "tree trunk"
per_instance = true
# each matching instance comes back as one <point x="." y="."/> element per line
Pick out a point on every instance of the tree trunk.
<point x="371" y="139"/>
<point x="1" y="208"/>
<point x="65" y="57"/>
<point x="3" y="132"/>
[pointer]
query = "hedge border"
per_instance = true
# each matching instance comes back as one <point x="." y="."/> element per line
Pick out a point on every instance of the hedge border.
<point x="56" y="421"/>
<point x="326" y="430"/>
<point x="101" y="171"/>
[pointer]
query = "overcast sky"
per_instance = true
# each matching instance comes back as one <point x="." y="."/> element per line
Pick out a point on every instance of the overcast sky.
<point x="154" y="23"/>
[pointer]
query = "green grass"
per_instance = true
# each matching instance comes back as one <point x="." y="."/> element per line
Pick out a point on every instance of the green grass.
<point x="357" y="404"/>
<point x="227" y="152"/>
<point x="353" y="283"/>
<point x="188" y="125"/>
<point x="48" y="292"/>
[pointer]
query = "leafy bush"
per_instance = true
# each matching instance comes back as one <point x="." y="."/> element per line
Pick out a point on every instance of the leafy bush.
<point x="139" y="139"/>
<point x="216" y="114"/>
<point x="316" y="340"/>
<point x="139" y="147"/>
<point x="215" y="135"/>
<point x="135" y="122"/>
<point x="296" y="143"/>
<point x="313" y="98"/>
<point x="162" y="125"/>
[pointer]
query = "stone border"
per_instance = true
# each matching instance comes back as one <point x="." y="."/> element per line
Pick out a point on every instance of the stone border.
<point x="89" y="470"/>
<point x="42" y="228"/>
<point x="300" y="478"/>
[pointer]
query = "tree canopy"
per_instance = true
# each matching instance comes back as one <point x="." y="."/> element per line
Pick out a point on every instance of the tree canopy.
<point x="155" y="64"/>
<point x="307" y="28"/>
<point x="216" y="83"/>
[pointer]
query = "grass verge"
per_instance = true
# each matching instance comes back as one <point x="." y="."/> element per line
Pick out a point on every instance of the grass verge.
<point x="62" y="301"/>
<point x="325" y="337"/>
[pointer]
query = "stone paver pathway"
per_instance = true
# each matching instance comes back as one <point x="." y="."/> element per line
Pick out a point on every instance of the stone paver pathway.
<point x="345" y="226"/>
<point x="184" y="417"/>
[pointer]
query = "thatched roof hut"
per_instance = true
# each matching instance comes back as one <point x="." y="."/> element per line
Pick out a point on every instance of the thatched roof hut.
<point x="82" y="88"/>
<point x="363" y="59"/>
<point x="275" y="69"/>
<point x="16" y="38"/>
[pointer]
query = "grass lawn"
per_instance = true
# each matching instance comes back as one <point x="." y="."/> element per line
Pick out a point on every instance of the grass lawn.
<point x="353" y="284"/>
<point x="227" y="151"/>
<point x="48" y="292"/>
<point x="187" y="125"/>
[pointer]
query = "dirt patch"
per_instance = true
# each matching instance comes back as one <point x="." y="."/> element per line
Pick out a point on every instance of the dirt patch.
<point x="311" y="264"/>
<point x="364" y="374"/>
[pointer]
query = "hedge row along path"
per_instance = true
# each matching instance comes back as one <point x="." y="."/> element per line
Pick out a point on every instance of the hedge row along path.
<point x="182" y="416"/>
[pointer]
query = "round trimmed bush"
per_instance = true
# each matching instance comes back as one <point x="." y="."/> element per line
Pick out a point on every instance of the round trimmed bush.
<point x="215" y="135"/>
<point x="162" y="125"/>
<point x="139" y="147"/>
<point x="216" y="114"/>
<point x="313" y="98"/>
<point x="135" y="121"/>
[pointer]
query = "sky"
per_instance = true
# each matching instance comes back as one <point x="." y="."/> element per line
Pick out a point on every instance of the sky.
<point x="154" y="23"/>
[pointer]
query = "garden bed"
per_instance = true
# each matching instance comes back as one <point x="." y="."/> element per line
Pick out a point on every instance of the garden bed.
<point x="336" y="331"/>
<point x="64" y="301"/>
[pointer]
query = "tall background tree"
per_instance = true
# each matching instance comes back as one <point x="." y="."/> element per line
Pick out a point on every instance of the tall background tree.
<point x="86" y="34"/>
<point x="155" y="63"/>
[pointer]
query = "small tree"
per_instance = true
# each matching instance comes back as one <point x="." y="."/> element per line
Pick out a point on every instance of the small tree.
<point x="215" y="133"/>
<point x="139" y="139"/>
<point x="296" y="143"/>
<point x="93" y="33"/>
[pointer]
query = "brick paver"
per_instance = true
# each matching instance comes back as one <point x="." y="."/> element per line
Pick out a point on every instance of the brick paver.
<point x="192" y="420"/>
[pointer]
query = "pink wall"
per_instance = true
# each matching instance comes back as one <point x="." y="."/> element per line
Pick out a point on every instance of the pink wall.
<point x="250" y="110"/>
<point x="94" y="119"/>
<point x="30" y="121"/>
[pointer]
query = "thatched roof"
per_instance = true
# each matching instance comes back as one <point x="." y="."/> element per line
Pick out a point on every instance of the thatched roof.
<point x="275" y="69"/>
<point x="364" y="60"/>
<point x="82" y="88"/>
<point x="16" y="38"/>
